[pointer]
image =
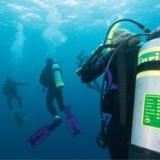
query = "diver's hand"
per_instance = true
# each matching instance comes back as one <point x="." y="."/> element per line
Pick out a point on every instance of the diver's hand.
<point x="154" y="34"/>
<point x="92" y="59"/>
<point x="79" y="71"/>
<point x="22" y="83"/>
<point x="97" y="53"/>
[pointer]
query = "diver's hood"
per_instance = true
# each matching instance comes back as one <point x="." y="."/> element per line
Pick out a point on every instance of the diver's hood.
<point x="121" y="35"/>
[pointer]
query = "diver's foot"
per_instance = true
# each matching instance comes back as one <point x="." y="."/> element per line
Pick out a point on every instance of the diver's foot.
<point x="57" y="117"/>
<point x="25" y="118"/>
<point x="19" y="119"/>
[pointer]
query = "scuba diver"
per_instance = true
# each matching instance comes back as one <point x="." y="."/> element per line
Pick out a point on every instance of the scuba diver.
<point x="54" y="89"/>
<point x="81" y="59"/>
<point x="51" y="78"/>
<point x="10" y="91"/>
<point x="117" y="59"/>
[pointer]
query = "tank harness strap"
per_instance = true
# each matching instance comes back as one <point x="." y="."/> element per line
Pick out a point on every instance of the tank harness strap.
<point x="153" y="65"/>
<point x="122" y="86"/>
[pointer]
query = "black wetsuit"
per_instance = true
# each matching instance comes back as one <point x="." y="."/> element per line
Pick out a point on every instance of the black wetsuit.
<point x="10" y="91"/>
<point x="118" y="135"/>
<point x="53" y="92"/>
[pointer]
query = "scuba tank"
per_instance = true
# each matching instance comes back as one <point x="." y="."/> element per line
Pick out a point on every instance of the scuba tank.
<point x="145" y="138"/>
<point x="57" y="76"/>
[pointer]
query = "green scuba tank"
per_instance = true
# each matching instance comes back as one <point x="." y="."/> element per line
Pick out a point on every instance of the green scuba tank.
<point x="57" y="76"/>
<point x="146" y="116"/>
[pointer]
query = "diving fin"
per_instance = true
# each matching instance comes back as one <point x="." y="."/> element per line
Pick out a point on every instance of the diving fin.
<point x="72" y="123"/>
<point x="40" y="135"/>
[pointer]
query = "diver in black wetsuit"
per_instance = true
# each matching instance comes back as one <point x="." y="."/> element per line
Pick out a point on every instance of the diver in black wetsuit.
<point x="10" y="91"/>
<point x="48" y="80"/>
<point x="51" y="78"/>
<point x="120" y="78"/>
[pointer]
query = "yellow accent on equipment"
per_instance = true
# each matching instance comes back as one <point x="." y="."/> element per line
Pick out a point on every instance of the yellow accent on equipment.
<point x="57" y="76"/>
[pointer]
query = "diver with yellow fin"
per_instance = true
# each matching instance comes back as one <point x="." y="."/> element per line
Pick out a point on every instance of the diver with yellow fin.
<point x="51" y="78"/>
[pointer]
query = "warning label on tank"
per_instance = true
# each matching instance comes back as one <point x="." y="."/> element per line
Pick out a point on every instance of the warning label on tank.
<point x="151" y="114"/>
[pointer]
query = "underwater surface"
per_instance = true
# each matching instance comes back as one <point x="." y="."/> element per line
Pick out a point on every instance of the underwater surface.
<point x="33" y="30"/>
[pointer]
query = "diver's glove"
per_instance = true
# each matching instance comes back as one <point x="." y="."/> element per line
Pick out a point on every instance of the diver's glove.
<point x="91" y="60"/>
<point x="96" y="54"/>
<point x="72" y="123"/>
<point x="154" y="34"/>
<point x="19" y="119"/>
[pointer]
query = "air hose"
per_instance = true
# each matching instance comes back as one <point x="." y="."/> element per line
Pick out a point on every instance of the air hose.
<point x="142" y="27"/>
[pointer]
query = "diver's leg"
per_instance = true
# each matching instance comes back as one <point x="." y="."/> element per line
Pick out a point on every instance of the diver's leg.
<point x="117" y="140"/>
<point x="18" y="98"/>
<point x="9" y="102"/>
<point x="49" y="99"/>
<point x="59" y="98"/>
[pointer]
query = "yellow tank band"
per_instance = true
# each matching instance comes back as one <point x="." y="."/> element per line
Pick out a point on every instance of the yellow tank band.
<point x="60" y="85"/>
<point x="148" y="73"/>
<point x="55" y="67"/>
<point x="153" y="49"/>
<point x="111" y="34"/>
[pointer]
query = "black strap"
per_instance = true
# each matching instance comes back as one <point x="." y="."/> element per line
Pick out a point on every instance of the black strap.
<point x="122" y="86"/>
<point x="153" y="65"/>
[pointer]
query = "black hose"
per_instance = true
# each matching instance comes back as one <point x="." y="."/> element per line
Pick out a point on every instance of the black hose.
<point x="141" y="26"/>
<point x="109" y="62"/>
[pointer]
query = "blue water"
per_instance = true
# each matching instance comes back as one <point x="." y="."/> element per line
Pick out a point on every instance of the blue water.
<point x="31" y="31"/>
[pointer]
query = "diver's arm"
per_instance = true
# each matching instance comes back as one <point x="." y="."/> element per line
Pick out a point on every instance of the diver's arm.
<point x="22" y="83"/>
<point x="94" y="70"/>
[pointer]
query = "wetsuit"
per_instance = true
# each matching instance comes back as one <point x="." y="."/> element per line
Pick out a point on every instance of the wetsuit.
<point x="122" y="83"/>
<point x="52" y="92"/>
<point x="10" y="91"/>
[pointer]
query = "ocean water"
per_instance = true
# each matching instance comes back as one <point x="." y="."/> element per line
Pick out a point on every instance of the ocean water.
<point x="31" y="31"/>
